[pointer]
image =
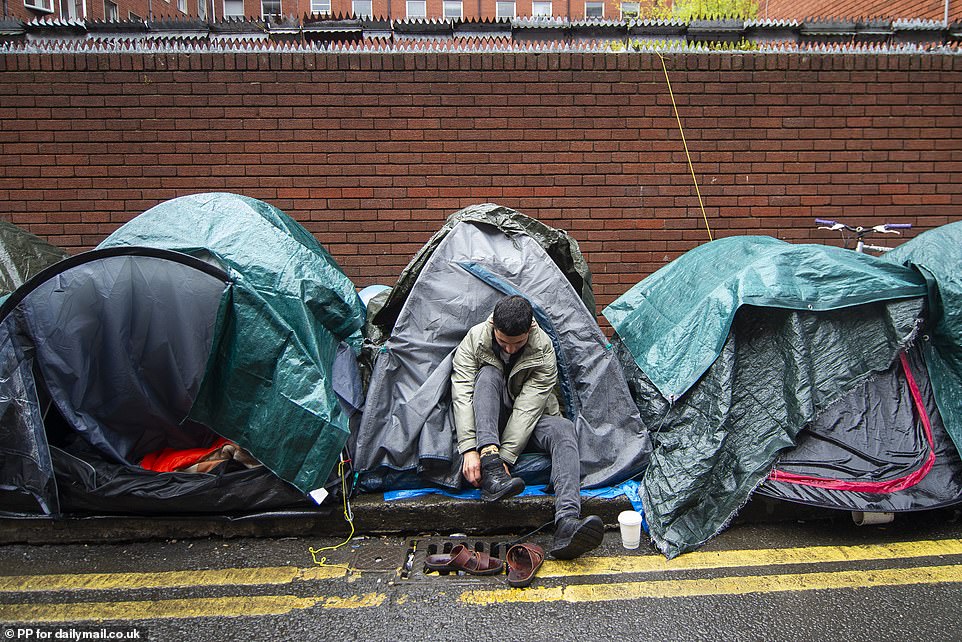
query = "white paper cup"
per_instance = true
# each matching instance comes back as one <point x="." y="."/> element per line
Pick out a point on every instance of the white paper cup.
<point x="630" y="523"/>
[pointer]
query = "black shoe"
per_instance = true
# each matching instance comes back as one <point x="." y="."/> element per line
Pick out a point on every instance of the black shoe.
<point x="574" y="537"/>
<point x="495" y="482"/>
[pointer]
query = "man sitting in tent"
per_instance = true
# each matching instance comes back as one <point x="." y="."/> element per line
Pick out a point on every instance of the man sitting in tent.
<point x="502" y="389"/>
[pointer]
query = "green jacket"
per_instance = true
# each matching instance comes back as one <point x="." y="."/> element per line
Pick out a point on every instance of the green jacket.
<point x="531" y="385"/>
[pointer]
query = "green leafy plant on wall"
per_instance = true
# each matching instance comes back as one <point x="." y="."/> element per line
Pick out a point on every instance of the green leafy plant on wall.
<point x="688" y="10"/>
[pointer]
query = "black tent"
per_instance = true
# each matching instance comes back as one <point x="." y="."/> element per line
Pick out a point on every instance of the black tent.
<point x="94" y="378"/>
<point x="209" y="315"/>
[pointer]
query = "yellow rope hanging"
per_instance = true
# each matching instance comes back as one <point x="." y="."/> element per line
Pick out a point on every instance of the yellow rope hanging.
<point x="685" y="143"/>
<point x="347" y="516"/>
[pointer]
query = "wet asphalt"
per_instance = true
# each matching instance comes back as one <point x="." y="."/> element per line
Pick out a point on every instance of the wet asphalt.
<point x="382" y="591"/>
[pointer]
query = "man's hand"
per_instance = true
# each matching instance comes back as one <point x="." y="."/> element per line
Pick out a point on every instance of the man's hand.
<point x="471" y="467"/>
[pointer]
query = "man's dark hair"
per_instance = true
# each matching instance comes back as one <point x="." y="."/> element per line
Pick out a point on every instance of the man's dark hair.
<point x="512" y="316"/>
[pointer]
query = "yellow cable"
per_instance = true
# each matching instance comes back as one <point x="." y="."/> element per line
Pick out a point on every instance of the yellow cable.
<point x="685" y="143"/>
<point x="347" y="517"/>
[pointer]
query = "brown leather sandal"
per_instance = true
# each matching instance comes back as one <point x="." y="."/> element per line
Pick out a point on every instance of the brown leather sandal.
<point x="523" y="561"/>
<point x="462" y="558"/>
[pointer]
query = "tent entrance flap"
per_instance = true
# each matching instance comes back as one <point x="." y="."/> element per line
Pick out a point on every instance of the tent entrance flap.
<point x="125" y="367"/>
<point x="110" y="346"/>
<point x="924" y="452"/>
<point x="873" y="451"/>
<point x="570" y="402"/>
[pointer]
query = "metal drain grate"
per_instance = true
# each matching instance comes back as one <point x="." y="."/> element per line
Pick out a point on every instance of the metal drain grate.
<point x="374" y="557"/>
<point x="419" y="548"/>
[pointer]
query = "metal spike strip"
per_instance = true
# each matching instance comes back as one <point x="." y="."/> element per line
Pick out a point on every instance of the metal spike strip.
<point x="821" y="35"/>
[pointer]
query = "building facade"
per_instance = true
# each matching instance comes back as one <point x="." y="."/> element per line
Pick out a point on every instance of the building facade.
<point x="948" y="11"/>
<point x="939" y="10"/>
<point x="113" y="10"/>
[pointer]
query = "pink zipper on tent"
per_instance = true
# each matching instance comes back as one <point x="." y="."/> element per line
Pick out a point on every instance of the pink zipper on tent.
<point x="890" y="486"/>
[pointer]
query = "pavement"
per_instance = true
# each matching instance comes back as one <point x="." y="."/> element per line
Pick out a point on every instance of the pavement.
<point x="372" y="516"/>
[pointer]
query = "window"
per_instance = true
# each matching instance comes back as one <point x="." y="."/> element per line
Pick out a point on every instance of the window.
<point x="541" y="8"/>
<point x="452" y="8"/>
<point x="133" y="17"/>
<point x="417" y="9"/>
<point x="320" y="6"/>
<point x="233" y="8"/>
<point x="269" y="8"/>
<point x="182" y="5"/>
<point x="362" y="8"/>
<point x="110" y="10"/>
<point x="630" y="10"/>
<point x="202" y="9"/>
<point x="505" y="10"/>
<point x="39" y="5"/>
<point x="69" y="9"/>
<point x="594" y="10"/>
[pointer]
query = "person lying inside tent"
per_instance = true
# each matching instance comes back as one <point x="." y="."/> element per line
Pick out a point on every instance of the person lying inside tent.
<point x="502" y="390"/>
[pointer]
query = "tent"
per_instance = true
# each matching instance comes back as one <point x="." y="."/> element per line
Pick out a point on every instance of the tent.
<point x="880" y="448"/>
<point x="406" y="438"/>
<point x="741" y="344"/>
<point x="22" y="255"/>
<point x="207" y="315"/>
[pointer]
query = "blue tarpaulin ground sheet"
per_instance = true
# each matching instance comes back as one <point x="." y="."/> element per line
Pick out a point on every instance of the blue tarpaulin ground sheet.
<point x="630" y="489"/>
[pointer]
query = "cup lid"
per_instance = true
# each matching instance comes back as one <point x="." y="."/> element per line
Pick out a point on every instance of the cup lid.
<point x="629" y="517"/>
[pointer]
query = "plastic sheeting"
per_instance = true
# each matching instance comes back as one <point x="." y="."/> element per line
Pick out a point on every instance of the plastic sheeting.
<point x="629" y="489"/>
<point x="268" y="386"/>
<point x="22" y="255"/>
<point x="746" y="371"/>
<point x="407" y="435"/>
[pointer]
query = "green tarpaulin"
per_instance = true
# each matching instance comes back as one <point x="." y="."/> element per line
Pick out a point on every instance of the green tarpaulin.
<point x="733" y="348"/>
<point x="268" y="383"/>
<point x="675" y="321"/>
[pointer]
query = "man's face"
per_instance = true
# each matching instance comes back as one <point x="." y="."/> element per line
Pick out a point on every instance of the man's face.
<point x="509" y="344"/>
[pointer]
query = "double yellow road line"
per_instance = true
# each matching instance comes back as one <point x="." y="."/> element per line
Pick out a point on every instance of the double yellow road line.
<point x="736" y="585"/>
<point x="551" y="584"/>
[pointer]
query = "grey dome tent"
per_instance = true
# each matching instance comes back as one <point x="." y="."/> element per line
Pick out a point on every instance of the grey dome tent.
<point x="406" y="437"/>
<point x="208" y="315"/>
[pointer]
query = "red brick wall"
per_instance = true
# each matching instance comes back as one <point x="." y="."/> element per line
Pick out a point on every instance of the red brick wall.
<point x="372" y="152"/>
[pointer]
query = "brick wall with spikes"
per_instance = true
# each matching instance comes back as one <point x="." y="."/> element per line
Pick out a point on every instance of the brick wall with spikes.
<point x="372" y="151"/>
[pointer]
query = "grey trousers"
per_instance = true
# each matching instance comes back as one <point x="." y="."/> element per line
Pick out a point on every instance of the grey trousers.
<point x="553" y="435"/>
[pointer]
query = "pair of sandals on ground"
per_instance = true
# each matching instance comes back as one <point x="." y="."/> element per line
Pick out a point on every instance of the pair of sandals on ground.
<point x="523" y="561"/>
<point x="572" y="539"/>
